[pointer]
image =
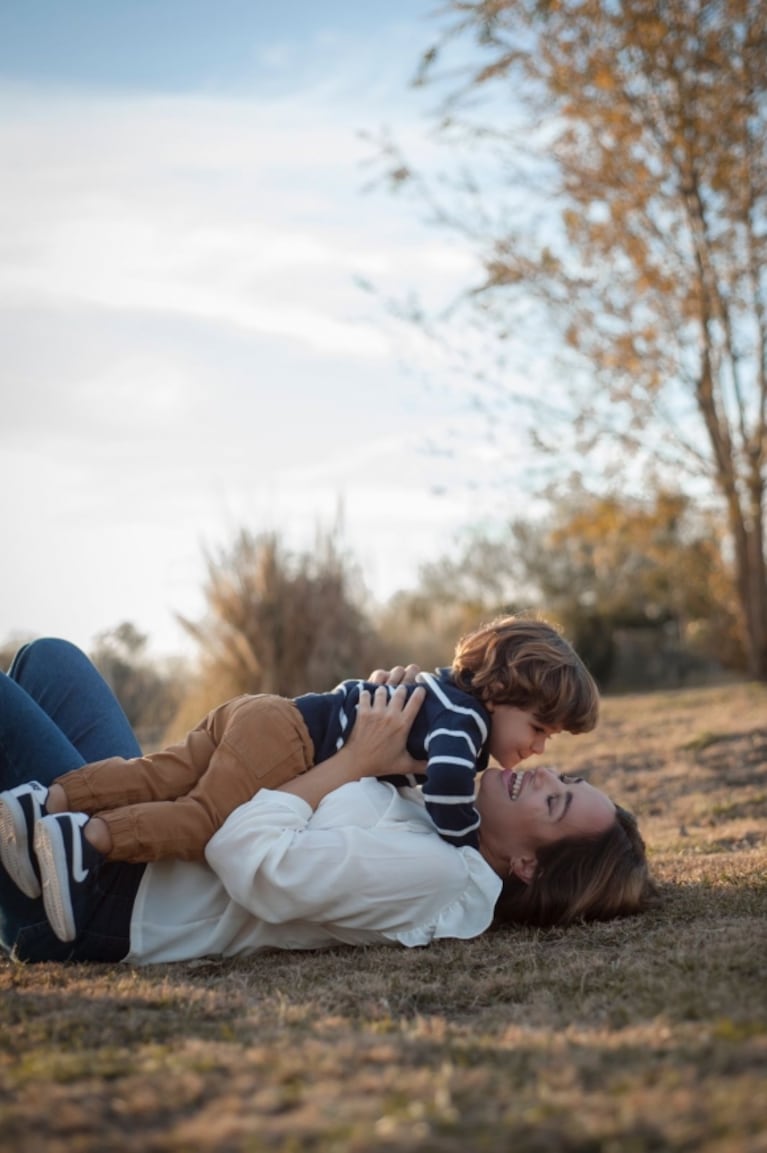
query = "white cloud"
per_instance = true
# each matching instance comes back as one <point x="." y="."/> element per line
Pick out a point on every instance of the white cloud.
<point x="185" y="351"/>
<point x="223" y="210"/>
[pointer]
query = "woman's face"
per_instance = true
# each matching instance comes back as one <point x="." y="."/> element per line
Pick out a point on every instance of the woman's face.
<point x="522" y="812"/>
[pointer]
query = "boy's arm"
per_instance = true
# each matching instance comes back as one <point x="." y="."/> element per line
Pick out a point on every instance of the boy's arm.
<point x="450" y="784"/>
<point x="376" y="746"/>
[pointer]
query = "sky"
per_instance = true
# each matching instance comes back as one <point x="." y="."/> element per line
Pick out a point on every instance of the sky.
<point x="186" y="346"/>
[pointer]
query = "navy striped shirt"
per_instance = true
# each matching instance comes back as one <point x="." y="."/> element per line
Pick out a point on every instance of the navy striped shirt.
<point x="450" y="732"/>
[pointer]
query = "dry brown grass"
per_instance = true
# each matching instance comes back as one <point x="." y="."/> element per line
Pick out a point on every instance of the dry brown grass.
<point x="643" y="1035"/>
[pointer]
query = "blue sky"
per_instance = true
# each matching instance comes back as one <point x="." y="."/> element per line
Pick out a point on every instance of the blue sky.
<point x="204" y="45"/>
<point x="184" y="342"/>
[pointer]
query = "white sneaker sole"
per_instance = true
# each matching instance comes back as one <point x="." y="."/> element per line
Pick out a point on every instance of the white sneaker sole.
<point x="52" y="858"/>
<point x="15" y="848"/>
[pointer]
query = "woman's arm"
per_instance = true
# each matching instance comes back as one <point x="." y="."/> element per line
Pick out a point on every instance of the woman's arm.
<point x="355" y="873"/>
<point x="376" y="746"/>
<point x="355" y="869"/>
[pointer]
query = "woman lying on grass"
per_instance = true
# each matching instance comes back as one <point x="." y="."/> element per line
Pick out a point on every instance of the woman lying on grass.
<point x="331" y="857"/>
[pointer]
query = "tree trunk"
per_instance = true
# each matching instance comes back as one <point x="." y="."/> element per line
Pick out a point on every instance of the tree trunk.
<point x="751" y="585"/>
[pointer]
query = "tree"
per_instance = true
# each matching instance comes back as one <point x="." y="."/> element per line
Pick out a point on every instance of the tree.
<point x="650" y="129"/>
<point x="149" y="691"/>
<point x="603" y="563"/>
<point x="278" y="622"/>
<point x="455" y="593"/>
<point x="10" y="646"/>
<point x="595" y="565"/>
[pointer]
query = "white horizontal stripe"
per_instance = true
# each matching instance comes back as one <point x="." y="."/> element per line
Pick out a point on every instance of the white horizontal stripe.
<point x="449" y="799"/>
<point x="432" y="682"/>
<point x="451" y="733"/>
<point x="459" y="832"/>
<point x="451" y="761"/>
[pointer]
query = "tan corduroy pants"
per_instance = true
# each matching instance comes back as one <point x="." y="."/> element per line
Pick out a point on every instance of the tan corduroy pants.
<point x="170" y="803"/>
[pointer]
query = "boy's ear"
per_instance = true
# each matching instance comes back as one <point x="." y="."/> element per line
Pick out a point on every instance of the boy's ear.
<point x="524" y="868"/>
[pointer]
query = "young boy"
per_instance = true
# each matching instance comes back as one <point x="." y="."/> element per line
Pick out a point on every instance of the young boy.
<point x="512" y="684"/>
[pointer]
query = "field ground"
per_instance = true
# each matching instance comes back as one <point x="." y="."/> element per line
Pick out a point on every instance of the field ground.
<point x="643" y="1035"/>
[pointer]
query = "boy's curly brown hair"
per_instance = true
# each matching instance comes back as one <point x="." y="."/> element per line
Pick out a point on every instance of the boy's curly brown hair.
<point x="527" y="662"/>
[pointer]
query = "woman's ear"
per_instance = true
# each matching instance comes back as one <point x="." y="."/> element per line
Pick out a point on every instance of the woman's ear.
<point x="524" y="868"/>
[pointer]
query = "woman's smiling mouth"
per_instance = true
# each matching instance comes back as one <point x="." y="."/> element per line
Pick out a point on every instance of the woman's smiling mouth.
<point x="514" y="782"/>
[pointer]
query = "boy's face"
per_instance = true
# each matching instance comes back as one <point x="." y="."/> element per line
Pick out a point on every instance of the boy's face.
<point x="516" y="734"/>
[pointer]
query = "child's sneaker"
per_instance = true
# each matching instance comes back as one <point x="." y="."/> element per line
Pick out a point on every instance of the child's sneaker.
<point x="68" y="864"/>
<point x="20" y="810"/>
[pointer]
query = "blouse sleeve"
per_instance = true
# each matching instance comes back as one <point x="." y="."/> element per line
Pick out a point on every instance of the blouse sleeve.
<point x="407" y="885"/>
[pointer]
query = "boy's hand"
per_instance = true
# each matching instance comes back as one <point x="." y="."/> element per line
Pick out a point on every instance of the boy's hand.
<point x="379" y="736"/>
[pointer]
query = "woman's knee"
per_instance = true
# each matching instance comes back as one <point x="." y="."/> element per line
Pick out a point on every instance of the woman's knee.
<point x="51" y="656"/>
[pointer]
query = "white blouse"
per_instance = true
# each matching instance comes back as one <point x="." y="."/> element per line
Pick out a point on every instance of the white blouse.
<point x="366" y="867"/>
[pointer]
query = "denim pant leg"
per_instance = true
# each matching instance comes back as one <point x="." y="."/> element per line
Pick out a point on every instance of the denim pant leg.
<point x="56" y="713"/>
<point x="72" y="692"/>
<point x="106" y="935"/>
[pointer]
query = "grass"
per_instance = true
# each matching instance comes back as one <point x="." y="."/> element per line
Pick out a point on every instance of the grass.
<point x="642" y="1035"/>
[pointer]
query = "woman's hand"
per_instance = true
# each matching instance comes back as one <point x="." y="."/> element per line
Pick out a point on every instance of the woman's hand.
<point x="399" y="675"/>
<point x="376" y="746"/>
<point x="379" y="736"/>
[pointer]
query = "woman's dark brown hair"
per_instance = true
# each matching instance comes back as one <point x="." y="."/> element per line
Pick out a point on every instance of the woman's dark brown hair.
<point x="583" y="879"/>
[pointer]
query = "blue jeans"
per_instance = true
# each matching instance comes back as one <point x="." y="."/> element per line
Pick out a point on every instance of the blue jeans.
<point x="57" y="713"/>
